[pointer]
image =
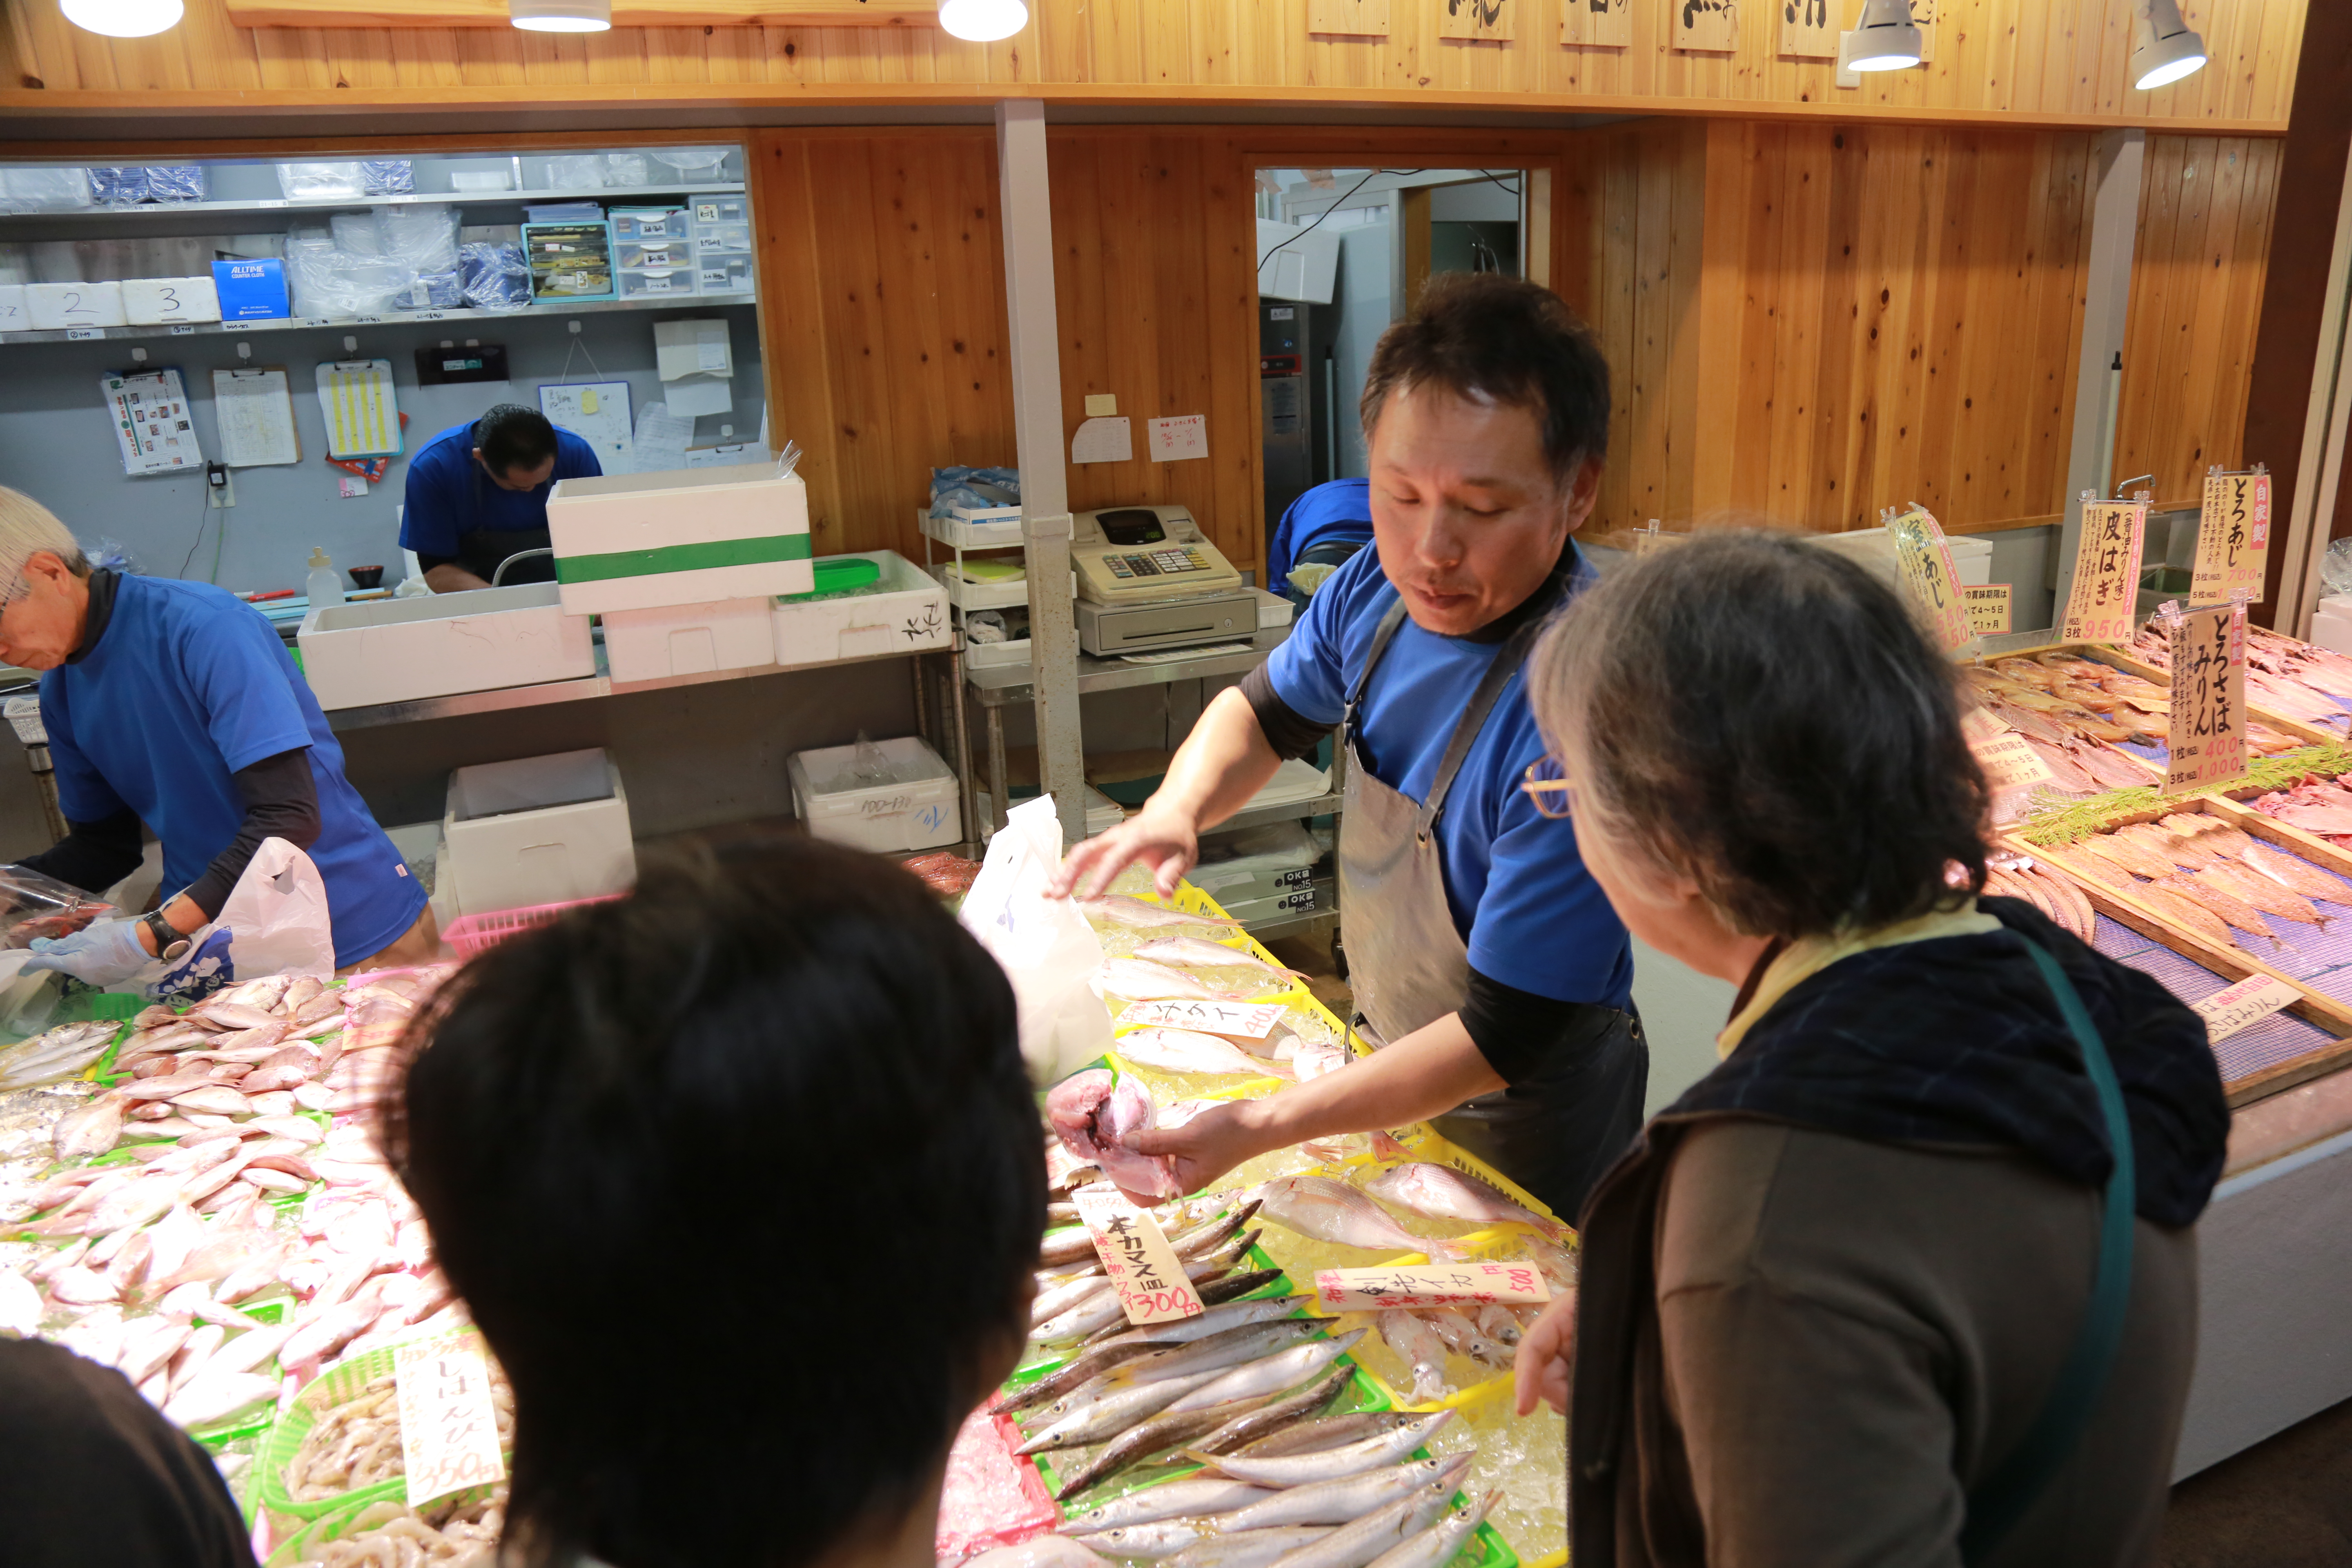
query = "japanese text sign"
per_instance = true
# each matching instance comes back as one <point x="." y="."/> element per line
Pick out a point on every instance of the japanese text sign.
<point x="1135" y="1253"/>
<point x="1448" y="1284"/>
<point x="1248" y="1021"/>
<point x="1925" y="562"/>
<point x="1987" y="608"/>
<point x="2247" y="1003"/>
<point x="2102" y="605"/>
<point x="448" y="1431"/>
<point x="2234" y="538"/>
<point x="2007" y="760"/>
<point x="2208" y="741"/>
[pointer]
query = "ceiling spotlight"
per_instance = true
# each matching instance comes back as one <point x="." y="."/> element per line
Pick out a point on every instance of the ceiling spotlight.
<point x="561" y="16"/>
<point x="984" y="21"/>
<point x="2165" y="50"/>
<point x="1885" y="39"/>
<point x="122" y="18"/>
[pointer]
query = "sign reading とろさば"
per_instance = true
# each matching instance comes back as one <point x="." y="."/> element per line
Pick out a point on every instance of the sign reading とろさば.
<point x="2208" y="737"/>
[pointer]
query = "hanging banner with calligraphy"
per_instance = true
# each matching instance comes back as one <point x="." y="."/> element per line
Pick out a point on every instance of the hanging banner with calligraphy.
<point x="1924" y="562"/>
<point x="2101" y="606"/>
<point x="2234" y="538"/>
<point x="2208" y="741"/>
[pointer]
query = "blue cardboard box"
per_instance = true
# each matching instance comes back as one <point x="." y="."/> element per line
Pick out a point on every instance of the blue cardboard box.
<point x="250" y="290"/>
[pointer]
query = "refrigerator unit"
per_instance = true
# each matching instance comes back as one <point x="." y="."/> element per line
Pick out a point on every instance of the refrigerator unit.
<point x="1297" y="377"/>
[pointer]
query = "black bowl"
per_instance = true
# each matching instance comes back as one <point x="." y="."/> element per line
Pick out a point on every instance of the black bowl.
<point x="367" y="576"/>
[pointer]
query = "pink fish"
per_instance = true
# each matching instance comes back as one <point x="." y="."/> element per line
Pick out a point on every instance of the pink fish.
<point x="1095" y="1113"/>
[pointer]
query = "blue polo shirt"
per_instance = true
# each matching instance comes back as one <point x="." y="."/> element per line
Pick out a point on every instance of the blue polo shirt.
<point x="448" y="495"/>
<point x="188" y="684"/>
<point x="1531" y="915"/>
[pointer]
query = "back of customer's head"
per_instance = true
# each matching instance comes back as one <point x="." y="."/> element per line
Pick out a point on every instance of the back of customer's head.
<point x="1765" y="718"/>
<point x="741" y="1178"/>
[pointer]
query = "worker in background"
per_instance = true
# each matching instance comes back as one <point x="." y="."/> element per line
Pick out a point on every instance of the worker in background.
<point x="1480" y="948"/>
<point x="175" y="705"/>
<point x="1321" y="530"/>
<point x="477" y="498"/>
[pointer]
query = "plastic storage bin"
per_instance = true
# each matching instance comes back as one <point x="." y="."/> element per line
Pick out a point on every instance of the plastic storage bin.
<point x="654" y="283"/>
<point x="639" y="254"/>
<point x="538" y="830"/>
<point x="732" y="238"/>
<point x="723" y="274"/>
<point x="688" y="639"/>
<point x="906" y="612"/>
<point x="397" y="650"/>
<point x="650" y="223"/>
<point x="711" y="210"/>
<point x="57" y="306"/>
<point x="917" y="810"/>
<point x="158" y="301"/>
<point x="470" y="934"/>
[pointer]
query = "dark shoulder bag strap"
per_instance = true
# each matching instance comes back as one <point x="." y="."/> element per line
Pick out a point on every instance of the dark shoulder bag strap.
<point x="1997" y="1502"/>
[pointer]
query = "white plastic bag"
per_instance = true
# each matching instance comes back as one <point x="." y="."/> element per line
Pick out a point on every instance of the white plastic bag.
<point x="275" y="922"/>
<point x="1044" y="945"/>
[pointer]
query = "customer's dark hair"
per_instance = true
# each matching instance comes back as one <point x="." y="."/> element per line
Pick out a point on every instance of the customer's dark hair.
<point x="642" y="1134"/>
<point x="1506" y="339"/>
<point x="1765" y="717"/>
<point x="512" y="436"/>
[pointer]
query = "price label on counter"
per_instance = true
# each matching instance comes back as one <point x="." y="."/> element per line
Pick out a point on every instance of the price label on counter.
<point x="2007" y="760"/>
<point x="1450" y="1285"/>
<point x="448" y="1430"/>
<point x="2234" y="538"/>
<point x="2247" y="1003"/>
<point x="2208" y="737"/>
<point x="1924" y="562"/>
<point x="1988" y="608"/>
<point x="1135" y="1253"/>
<point x="1253" y="1022"/>
<point x="2101" y="605"/>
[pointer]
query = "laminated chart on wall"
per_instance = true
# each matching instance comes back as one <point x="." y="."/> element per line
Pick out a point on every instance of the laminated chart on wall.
<point x="598" y="413"/>
<point x="253" y="411"/>
<point x="695" y="360"/>
<point x="355" y="397"/>
<point x="152" y="423"/>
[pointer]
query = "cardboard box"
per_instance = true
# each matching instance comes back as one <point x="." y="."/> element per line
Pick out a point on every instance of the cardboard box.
<point x="688" y="639"/>
<point x="641" y="541"/>
<point x="251" y="290"/>
<point x="538" y="830"/>
<point x="398" y="650"/>
<point x="907" y="614"/>
<point x="916" y="810"/>
<point x="163" y="302"/>
<point x="55" y="306"/>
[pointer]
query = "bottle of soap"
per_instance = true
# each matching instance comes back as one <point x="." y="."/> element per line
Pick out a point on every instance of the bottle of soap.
<point x="325" y="587"/>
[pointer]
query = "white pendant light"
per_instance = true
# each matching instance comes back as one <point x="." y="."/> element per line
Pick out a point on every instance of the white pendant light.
<point x="2164" y="50"/>
<point x="122" y="18"/>
<point x="1885" y="39"/>
<point x="561" y="16"/>
<point x="982" y="21"/>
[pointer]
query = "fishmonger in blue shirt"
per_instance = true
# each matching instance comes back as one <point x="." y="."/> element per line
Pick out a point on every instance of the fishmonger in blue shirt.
<point x="477" y="499"/>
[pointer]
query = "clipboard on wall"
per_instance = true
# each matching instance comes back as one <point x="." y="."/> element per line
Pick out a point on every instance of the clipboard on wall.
<point x="363" y="415"/>
<point x="253" y="408"/>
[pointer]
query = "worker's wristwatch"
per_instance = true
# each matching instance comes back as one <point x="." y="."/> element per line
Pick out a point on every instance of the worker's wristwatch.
<point x="169" y="943"/>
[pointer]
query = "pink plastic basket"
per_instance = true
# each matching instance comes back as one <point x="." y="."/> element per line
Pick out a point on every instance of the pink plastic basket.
<point x="470" y="934"/>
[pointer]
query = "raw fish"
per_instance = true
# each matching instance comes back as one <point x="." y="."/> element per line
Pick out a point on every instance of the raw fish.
<point x="1140" y="980"/>
<point x="1248" y="1548"/>
<point x="1113" y="1412"/>
<point x="1283" y="1370"/>
<point x="1194" y="953"/>
<point x="1140" y="914"/>
<point x="1333" y="1211"/>
<point x="1189" y="1052"/>
<point x="1422" y="1351"/>
<point x="1327" y="1463"/>
<point x="1324" y="1432"/>
<point x="1169" y="1501"/>
<point x="1160" y="1538"/>
<point x="1039" y="1551"/>
<point x="1355" y="1545"/>
<point x="1184" y="1331"/>
<point x="1291" y="1410"/>
<point x="1156" y="1436"/>
<point x="1095" y="1113"/>
<point x="1230" y="1348"/>
<point x="1441" y="1192"/>
<point x="93" y="1130"/>
<point x="1436" y="1547"/>
<point x="1348" y="1498"/>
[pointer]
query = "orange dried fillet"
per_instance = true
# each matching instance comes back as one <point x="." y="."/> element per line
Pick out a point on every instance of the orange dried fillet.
<point x="2092" y="869"/>
<point x="2137" y="858"/>
<point x="2187" y="912"/>
<point x="2007" y="885"/>
<point x="2077" y="915"/>
<point x="2295" y="872"/>
<point x="2181" y="848"/>
<point x="2231" y="909"/>
<point x="2258" y="890"/>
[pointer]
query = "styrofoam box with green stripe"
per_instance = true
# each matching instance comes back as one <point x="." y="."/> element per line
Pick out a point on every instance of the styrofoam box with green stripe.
<point x="692" y="536"/>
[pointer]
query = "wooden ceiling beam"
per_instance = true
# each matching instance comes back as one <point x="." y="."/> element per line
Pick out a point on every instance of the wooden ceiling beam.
<point x="625" y="13"/>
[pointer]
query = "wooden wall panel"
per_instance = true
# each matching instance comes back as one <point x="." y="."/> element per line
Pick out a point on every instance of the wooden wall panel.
<point x="2197" y="270"/>
<point x="2045" y="61"/>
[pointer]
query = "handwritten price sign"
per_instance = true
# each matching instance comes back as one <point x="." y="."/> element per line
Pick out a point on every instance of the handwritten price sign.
<point x="449" y="1432"/>
<point x="2208" y="740"/>
<point x="2234" y="538"/>
<point x="1248" y="1021"/>
<point x="1135" y="1253"/>
<point x="2247" y="1003"/>
<point x="2101" y="605"/>
<point x="1452" y="1285"/>
<point x="2007" y="760"/>
<point x="1924" y="562"/>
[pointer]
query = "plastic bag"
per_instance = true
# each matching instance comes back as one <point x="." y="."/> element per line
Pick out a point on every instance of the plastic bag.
<point x="387" y="176"/>
<point x="276" y="921"/>
<point x="175" y="183"/>
<point x="328" y="280"/>
<point x="32" y="905"/>
<point x="2336" y="568"/>
<point x="973" y="487"/>
<point x="497" y="277"/>
<point x="320" y="181"/>
<point x="1046" y="946"/>
<point x="627" y="169"/>
<point x="424" y="238"/>
<point x="576" y="171"/>
<point x="442" y="290"/>
<point x="25" y="189"/>
<point x="355" y="232"/>
<point x="116" y="185"/>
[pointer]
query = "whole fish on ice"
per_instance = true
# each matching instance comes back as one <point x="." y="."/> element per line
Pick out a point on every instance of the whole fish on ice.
<point x="1443" y="1193"/>
<point x="1333" y="1211"/>
<point x="1141" y="914"/>
<point x="1193" y="952"/>
<point x="1191" y="1051"/>
<point x="1140" y="980"/>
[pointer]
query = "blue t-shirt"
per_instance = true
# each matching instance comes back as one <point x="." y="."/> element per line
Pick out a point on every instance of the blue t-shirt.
<point x="449" y="496"/>
<point x="188" y="684"/>
<point x="1340" y="510"/>
<point x="1531" y="914"/>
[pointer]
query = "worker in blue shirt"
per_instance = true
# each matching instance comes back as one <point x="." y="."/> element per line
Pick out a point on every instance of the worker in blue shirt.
<point x="477" y="498"/>
<point x="175" y="705"/>
<point x="1483" y="955"/>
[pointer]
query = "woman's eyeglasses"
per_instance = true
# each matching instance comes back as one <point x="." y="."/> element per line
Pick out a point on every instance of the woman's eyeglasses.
<point x="1554" y="796"/>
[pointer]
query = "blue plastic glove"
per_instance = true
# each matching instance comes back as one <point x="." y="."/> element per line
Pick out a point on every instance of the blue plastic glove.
<point x="99" y="954"/>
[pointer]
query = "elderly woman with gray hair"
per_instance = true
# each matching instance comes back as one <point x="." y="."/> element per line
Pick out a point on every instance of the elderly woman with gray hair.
<point x="1908" y="1278"/>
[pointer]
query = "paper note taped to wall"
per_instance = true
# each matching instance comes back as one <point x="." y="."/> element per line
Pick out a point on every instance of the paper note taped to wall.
<point x="1102" y="441"/>
<point x="1180" y="438"/>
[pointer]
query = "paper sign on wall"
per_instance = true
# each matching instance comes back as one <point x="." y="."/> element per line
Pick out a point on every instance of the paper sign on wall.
<point x="2234" y="538"/>
<point x="254" y="412"/>
<point x="361" y="410"/>
<point x="1987" y="608"/>
<point x="2242" y="1005"/>
<point x="1102" y="441"/>
<point x="2007" y="760"/>
<point x="1925" y="563"/>
<point x="2208" y="739"/>
<point x="448" y="1429"/>
<point x="152" y="422"/>
<point x="1247" y="1021"/>
<point x="1178" y="439"/>
<point x="1450" y="1285"/>
<point x="1135" y="1253"/>
<point x="2101" y="605"/>
<point x="1597" y="23"/>
<point x="598" y="413"/>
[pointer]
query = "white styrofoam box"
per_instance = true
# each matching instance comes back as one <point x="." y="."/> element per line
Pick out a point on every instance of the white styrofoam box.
<point x="688" y="639"/>
<point x="2331" y="627"/>
<point x="159" y="302"/>
<point x="998" y="527"/>
<point x="538" y="830"/>
<point x="979" y="654"/>
<point x="1273" y="609"/>
<point x="906" y="612"/>
<point x="14" y="317"/>
<point x="1971" y="558"/>
<point x="53" y="306"/>
<point x="396" y="650"/>
<point x="637" y="542"/>
<point x="917" y="811"/>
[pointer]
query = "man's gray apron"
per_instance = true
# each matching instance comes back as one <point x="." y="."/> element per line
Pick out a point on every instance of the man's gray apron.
<point x="1555" y="1133"/>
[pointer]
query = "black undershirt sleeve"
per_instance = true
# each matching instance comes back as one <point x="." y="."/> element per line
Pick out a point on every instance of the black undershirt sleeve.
<point x="427" y="563"/>
<point x="1290" y="733"/>
<point x="1523" y="1036"/>
<point x="281" y="801"/>
<point x="92" y="856"/>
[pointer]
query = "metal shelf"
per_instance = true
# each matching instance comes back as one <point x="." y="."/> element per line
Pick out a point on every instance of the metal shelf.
<point x="1297" y="924"/>
<point x="997" y="685"/>
<point x="1323" y="805"/>
<point x="626" y="195"/>
<point x="392" y="319"/>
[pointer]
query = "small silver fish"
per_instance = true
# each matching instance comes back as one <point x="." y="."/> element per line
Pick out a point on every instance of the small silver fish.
<point x="1140" y="914"/>
<point x="1160" y="1538"/>
<point x="1438" y="1545"/>
<point x="1231" y="1348"/>
<point x="1330" y="1464"/>
<point x="1112" y="1413"/>
<point x="1248" y="1548"/>
<point x="1348" y="1500"/>
<point x="1173" y="1500"/>
<point x="1284" y="1369"/>
<point x="1357" y="1544"/>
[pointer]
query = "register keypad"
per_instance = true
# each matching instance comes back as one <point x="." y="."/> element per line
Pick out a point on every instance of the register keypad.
<point x="1156" y="563"/>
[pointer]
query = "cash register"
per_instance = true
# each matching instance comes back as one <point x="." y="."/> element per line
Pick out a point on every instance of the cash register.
<point x="1149" y="579"/>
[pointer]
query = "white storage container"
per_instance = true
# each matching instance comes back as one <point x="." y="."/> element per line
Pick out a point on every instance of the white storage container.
<point x="2331" y="627"/>
<point x="655" y="284"/>
<point x="14" y="316"/>
<point x="916" y="811"/>
<point x="1256" y="863"/>
<point x="538" y="830"/>
<point x="906" y="613"/>
<point x="1273" y="609"/>
<point x="57" y="305"/>
<point x="1971" y="558"/>
<point x="639" y="542"/>
<point x="161" y="301"/>
<point x="397" y="650"/>
<point x="723" y="274"/>
<point x="688" y="639"/>
<point x="1308" y="900"/>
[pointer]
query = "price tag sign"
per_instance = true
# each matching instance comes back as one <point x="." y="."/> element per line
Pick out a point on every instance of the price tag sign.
<point x="449" y="1432"/>
<point x="1135" y="1253"/>
<point x="1987" y="608"/>
<point x="2208" y="739"/>
<point x="2234" y="538"/>
<point x="2101" y="606"/>
<point x="1452" y="1285"/>
<point x="1252" y="1022"/>
<point x="2009" y="763"/>
<point x="1924" y="562"/>
<point x="2247" y="1003"/>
